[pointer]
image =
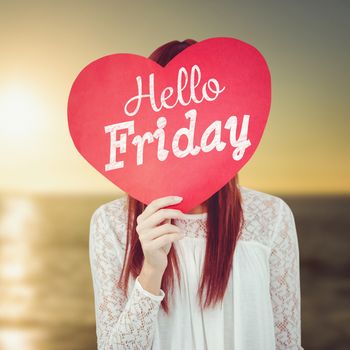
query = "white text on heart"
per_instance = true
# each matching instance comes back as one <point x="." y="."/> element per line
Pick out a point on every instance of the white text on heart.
<point x="239" y="144"/>
<point x="195" y="78"/>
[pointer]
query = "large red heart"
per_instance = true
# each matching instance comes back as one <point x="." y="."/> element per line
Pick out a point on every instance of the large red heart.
<point x="236" y="83"/>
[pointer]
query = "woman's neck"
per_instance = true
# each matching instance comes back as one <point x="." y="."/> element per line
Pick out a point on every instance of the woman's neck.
<point x="197" y="210"/>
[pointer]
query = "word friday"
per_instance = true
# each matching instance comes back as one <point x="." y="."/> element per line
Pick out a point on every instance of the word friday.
<point x="127" y="128"/>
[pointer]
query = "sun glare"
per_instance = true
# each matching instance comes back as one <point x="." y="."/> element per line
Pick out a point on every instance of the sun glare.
<point x="21" y="113"/>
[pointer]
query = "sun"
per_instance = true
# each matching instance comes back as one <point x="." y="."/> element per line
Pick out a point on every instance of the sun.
<point x="21" y="113"/>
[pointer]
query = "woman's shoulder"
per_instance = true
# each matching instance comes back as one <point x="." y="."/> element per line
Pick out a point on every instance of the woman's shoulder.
<point x="112" y="215"/>
<point x="262" y="212"/>
<point x="114" y="209"/>
<point x="260" y="200"/>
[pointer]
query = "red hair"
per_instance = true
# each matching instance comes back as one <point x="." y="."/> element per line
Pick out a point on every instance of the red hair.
<point x="224" y="223"/>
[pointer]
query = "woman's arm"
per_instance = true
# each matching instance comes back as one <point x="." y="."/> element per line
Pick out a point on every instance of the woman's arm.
<point x="285" y="281"/>
<point x="121" y="323"/>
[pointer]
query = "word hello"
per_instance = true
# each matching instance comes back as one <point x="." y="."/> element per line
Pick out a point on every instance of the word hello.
<point x="212" y="85"/>
<point x="125" y="129"/>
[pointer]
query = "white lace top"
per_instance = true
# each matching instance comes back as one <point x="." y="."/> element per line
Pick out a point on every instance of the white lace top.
<point x="261" y="306"/>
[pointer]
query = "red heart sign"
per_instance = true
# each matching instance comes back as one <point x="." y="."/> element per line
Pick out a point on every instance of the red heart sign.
<point x="184" y="129"/>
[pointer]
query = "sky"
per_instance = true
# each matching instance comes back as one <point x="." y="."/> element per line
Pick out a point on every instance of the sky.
<point x="45" y="44"/>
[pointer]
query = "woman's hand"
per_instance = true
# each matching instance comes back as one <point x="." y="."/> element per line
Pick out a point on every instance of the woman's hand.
<point x="156" y="233"/>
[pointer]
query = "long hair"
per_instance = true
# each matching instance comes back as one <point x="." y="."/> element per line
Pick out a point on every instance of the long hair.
<point x="223" y="225"/>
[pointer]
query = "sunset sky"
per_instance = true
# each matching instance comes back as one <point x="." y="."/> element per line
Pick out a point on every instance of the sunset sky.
<point x="45" y="44"/>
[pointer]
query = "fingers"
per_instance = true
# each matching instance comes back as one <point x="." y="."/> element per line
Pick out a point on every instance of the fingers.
<point x="157" y="218"/>
<point x="163" y="240"/>
<point x="156" y="232"/>
<point x="154" y="223"/>
<point x="158" y="204"/>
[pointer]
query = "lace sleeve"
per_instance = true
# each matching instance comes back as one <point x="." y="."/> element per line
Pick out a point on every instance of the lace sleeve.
<point x="285" y="281"/>
<point x="121" y="323"/>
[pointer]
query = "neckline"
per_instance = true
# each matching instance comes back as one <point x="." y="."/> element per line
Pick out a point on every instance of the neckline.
<point x="193" y="225"/>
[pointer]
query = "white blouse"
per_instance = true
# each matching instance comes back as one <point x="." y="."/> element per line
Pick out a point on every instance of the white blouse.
<point x="261" y="306"/>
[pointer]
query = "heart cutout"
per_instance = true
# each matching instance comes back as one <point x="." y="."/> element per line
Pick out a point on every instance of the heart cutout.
<point x="184" y="129"/>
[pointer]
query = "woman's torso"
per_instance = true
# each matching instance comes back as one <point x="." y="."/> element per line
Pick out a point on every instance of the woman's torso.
<point x="244" y="320"/>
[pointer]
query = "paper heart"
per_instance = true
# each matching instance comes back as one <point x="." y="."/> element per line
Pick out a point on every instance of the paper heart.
<point x="121" y="99"/>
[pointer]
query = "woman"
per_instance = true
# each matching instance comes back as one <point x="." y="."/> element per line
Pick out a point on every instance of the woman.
<point x="235" y="260"/>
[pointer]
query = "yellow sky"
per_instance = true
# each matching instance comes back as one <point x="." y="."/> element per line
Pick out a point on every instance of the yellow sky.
<point x="45" y="45"/>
